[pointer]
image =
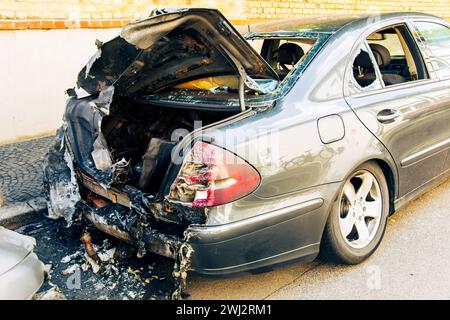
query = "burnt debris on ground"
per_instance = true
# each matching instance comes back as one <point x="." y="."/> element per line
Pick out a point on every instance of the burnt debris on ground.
<point x="117" y="274"/>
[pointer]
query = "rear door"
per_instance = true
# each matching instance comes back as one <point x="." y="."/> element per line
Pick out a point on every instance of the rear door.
<point x="434" y="42"/>
<point x="406" y="111"/>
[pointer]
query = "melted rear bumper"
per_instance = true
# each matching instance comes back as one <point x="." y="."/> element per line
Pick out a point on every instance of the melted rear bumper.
<point x="118" y="223"/>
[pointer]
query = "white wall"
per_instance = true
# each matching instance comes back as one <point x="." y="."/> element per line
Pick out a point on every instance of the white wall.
<point x="36" y="67"/>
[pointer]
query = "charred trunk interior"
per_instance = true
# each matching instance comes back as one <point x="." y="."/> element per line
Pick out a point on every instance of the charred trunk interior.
<point x="141" y="137"/>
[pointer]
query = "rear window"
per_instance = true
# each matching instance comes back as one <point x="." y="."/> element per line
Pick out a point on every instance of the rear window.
<point x="283" y="54"/>
<point x="225" y="88"/>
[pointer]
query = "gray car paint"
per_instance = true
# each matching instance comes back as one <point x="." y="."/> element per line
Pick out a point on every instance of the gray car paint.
<point x="305" y="163"/>
<point x="412" y="132"/>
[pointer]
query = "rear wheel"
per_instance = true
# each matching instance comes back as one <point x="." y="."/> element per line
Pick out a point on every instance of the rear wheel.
<point x="358" y="218"/>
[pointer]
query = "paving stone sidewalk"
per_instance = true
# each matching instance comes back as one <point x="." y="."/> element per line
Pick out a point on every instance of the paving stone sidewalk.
<point x="21" y="169"/>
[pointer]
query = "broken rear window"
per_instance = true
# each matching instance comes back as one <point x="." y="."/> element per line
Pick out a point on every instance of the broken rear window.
<point x="283" y="54"/>
<point x="288" y="53"/>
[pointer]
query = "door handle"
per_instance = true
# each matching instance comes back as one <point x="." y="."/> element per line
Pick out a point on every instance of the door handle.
<point x="387" y="115"/>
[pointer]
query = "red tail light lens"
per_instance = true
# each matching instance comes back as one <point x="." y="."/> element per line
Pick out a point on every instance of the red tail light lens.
<point x="211" y="176"/>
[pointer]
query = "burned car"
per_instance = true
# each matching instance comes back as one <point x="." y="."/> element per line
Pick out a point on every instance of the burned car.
<point x="232" y="153"/>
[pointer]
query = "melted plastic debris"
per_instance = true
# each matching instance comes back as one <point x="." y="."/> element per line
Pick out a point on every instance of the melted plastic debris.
<point x="59" y="177"/>
<point x="120" y="276"/>
<point x="70" y="269"/>
<point x="121" y="171"/>
<point x="53" y="293"/>
<point x="180" y="270"/>
<point x="17" y="239"/>
<point x="68" y="258"/>
<point x="100" y="154"/>
<point x="104" y="99"/>
<point x="108" y="274"/>
<point x="49" y="290"/>
<point x="108" y="255"/>
<point x="93" y="264"/>
<point x="91" y="61"/>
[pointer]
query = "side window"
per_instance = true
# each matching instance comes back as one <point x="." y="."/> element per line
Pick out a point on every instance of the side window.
<point x="397" y="55"/>
<point x="363" y="76"/>
<point x="437" y="41"/>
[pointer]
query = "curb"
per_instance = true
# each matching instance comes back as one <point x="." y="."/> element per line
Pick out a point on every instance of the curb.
<point x="19" y="214"/>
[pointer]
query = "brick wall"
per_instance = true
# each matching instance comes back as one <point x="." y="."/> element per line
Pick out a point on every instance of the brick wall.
<point x="60" y="14"/>
<point x="293" y="8"/>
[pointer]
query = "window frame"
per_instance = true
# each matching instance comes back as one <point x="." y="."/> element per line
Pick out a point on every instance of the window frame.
<point x="349" y="71"/>
<point x="414" y="51"/>
<point x="270" y="44"/>
<point x="288" y="83"/>
<point x="362" y="38"/>
<point x="425" y="50"/>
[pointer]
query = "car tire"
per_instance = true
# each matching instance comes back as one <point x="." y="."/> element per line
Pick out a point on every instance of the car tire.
<point x="357" y="221"/>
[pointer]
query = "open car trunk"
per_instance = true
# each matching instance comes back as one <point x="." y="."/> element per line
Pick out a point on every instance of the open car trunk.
<point x="145" y="90"/>
<point x="136" y="141"/>
<point x="114" y="169"/>
<point x="112" y="160"/>
<point x="125" y="156"/>
<point x="141" y="139"/>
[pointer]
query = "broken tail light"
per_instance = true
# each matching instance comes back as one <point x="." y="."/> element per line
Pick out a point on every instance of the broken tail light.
<point x="211" y="176"/>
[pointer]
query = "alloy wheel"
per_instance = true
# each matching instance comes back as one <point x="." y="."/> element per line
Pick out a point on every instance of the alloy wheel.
<point x="360" y="209"/>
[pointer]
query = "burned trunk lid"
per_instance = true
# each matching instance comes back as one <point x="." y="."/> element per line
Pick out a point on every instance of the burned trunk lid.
<point x="169" y="49"/>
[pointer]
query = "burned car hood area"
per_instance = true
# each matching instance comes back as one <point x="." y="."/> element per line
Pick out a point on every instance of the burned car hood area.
<point x="111" y="163"/>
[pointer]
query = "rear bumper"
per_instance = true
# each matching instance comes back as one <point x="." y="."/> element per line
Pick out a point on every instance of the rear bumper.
<point x="291" y="233"/>
<point x="113" y="222"/>
<point x="288" y="233"/>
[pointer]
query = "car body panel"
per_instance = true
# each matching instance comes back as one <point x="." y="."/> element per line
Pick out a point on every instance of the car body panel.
<point x="413" y="132"/>
<point x="301" y="160"/>
<point x="290" y="228"/>
<point x="423" y="123"/>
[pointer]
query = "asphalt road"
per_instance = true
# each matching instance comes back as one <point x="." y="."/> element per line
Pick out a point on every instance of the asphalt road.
<point x="413" y="262"/>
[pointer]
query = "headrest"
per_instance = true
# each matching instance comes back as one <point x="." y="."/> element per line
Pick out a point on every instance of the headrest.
<point x="381" y="54"/>
<point x="289" y="53"/>
<point x="363" y="60"/>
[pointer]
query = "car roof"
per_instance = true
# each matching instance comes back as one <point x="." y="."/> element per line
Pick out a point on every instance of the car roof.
<point x="323" y="23"/>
